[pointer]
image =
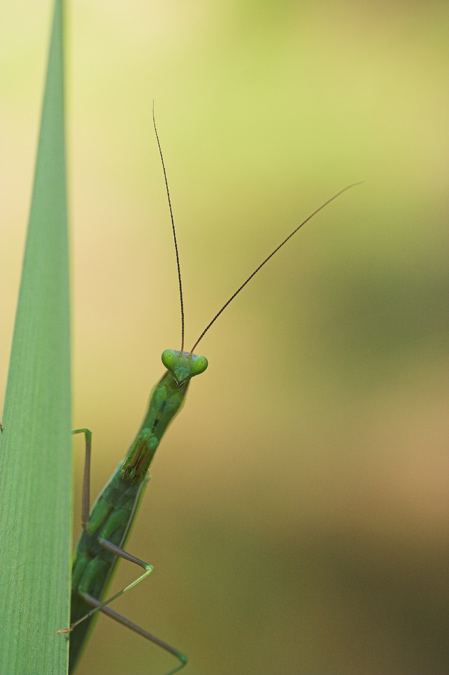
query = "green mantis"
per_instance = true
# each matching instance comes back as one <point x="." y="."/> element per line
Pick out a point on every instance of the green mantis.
<point x="105" y="528"/>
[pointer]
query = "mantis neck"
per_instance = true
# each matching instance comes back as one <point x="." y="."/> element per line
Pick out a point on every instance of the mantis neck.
<point x="165" y="402"/>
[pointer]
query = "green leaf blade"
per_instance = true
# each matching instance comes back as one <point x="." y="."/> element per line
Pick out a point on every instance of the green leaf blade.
<point x="36" y="443"/>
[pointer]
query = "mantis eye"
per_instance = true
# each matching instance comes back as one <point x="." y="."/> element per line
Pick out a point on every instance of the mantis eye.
<point x="168" y="358"/>
<point x="199" y="365"/>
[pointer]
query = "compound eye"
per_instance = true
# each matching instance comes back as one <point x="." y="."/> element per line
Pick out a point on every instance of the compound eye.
<point x="199" y="365"/>
<point x="168" y="358"/>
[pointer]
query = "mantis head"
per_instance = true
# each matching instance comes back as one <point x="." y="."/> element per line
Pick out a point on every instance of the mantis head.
<point x="183" y="365"/>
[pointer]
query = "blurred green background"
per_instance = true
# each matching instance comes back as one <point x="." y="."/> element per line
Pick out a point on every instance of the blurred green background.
<point x="297" y="514"/>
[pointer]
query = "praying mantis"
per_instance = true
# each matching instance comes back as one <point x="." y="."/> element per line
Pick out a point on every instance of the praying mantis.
<point x="105" y="528"/>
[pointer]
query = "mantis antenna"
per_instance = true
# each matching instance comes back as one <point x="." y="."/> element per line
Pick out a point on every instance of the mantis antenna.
<point x="181" y="299"/>
<point x="234" y="295"/>
<point x="268" y="258"/>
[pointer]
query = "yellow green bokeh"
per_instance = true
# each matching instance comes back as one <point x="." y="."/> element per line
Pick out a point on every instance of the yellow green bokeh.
<point x="297" y="513"/>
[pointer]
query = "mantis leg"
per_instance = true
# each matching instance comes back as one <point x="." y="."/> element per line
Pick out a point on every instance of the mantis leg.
<point x="96" y="604"/>
<point x="85" y="503"/>
<point x="109" y="546"/>
<point x="140" y="631"/>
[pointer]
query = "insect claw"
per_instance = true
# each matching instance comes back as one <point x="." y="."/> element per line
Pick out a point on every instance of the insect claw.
<point x="65" y="630"/>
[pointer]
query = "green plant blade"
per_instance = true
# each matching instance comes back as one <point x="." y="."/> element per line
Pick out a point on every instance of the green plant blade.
<point x="36" y="443"/>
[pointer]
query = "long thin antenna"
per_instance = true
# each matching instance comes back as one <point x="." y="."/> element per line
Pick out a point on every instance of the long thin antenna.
<point x="267" y="259"/>
<point x="181" y="299"/>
